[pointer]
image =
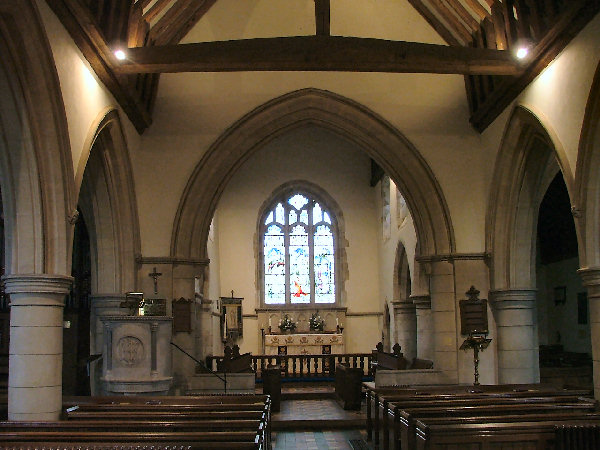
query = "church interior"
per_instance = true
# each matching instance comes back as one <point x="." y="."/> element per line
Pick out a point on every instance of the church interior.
<point x="184" y="179"/>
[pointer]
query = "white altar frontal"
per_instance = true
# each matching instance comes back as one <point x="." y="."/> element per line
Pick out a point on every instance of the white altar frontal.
<point x="304" y="344"/>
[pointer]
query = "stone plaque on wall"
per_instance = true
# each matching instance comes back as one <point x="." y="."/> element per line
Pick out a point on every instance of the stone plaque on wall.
<point x="182" y="315"/>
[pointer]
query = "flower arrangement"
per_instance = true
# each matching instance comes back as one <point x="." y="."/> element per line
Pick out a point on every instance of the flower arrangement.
<point x="316" y="322"/>
<point x="287" y="324"/>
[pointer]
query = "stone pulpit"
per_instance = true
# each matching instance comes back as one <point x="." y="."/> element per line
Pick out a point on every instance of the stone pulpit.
<point x="137" y="355"/>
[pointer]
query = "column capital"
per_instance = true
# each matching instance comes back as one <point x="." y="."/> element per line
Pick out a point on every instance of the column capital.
<point x="590" y="277"/>
<point x="37" y="289"/>
<point x="513" y="298"/>
<point x="403" y="307"/>
<point x="421" y="301"/>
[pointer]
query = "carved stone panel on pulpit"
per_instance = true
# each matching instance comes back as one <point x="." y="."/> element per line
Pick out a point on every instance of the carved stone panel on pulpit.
<point x="137" y="354"/>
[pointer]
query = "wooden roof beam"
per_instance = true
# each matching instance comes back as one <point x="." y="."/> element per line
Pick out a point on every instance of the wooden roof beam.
<point x="448" y="16"/>
<point x="478" y="9"/>
<point x="323" y="17"/>
<point x="184" y="22"/>
<point x="167" y="21"/>
<point x="318" y="53"/>
<point x="435" y="23"/>
<point x="155" y="10"/>
<point x="464" y="15"/>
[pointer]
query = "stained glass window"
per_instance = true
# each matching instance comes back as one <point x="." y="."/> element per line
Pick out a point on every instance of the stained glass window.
<point x="299" y="252"/>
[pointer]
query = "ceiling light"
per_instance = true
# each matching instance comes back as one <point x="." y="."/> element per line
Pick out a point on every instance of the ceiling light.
<point x="522" y="52"/>
<point x="120" y="54"/>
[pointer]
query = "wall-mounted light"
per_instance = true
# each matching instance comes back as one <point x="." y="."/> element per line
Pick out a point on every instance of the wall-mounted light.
<point x="120" y="54"/>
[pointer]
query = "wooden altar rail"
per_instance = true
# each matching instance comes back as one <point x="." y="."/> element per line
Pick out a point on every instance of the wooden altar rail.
<point x="305" y="366"/>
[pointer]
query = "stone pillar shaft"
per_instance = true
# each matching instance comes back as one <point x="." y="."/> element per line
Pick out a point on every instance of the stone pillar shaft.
<point x="424" y="324"/>
<point x="591" y="280"/>
<point x="405" y="324"/>
<point x="35" y="354"/>
<point x="517" y="350"/>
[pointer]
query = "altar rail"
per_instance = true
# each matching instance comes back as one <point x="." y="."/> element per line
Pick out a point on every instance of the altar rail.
<point x="305" y="366"/>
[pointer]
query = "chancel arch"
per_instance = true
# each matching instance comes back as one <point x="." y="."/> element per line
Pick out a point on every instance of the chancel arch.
<point x="380" y="140"/>
<point x="527" y="162"/>
<point x="36" y="177"/>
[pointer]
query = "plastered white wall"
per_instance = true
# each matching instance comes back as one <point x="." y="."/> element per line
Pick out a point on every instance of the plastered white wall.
<point x="85" y="98"/>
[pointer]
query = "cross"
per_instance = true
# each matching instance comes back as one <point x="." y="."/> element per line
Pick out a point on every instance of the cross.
<point x="155" y="276"/>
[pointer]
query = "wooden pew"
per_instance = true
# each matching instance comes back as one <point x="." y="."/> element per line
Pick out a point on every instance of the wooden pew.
<point x="208" y="414"/>
<point x="202" y="439"/>
<point x="222" y="421"/>
<point x="402" y="434"/>
<point x="518" y="435"/>
<point x="379" y="398"/>
<point x="386" y="422"/>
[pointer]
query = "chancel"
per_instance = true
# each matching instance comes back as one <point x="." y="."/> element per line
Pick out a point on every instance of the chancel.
<point x="303" y="180"/>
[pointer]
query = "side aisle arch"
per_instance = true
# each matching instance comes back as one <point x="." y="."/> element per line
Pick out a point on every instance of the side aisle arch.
<point x="528" y="159"/>
<point x="587" y="208"/>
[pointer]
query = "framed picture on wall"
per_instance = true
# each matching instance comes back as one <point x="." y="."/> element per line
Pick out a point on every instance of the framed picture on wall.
<point x="560" y="295"/>
<point x="582" y="308"/>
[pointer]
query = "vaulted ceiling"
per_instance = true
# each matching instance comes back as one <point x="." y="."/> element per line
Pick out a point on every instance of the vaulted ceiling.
<point x="481" y="36"/>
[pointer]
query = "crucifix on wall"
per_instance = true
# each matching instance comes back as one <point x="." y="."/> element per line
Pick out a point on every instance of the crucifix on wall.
<point x="154" y="275"/>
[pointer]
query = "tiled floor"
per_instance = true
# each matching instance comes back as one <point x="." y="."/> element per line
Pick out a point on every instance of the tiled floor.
<point x="325" y="409"/>
<point x="316" y="440"/>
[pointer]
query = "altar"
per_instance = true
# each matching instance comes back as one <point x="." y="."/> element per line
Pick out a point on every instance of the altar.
<point x="304" y="344"/>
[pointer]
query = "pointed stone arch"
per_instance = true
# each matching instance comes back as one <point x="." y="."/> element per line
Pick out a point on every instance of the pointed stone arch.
<point x="379" y="139"/>
<point x="36" y="176"/>
<point x="528" y="159"/>
<point x="587" y="210"/>
<point x="405" y="315"/>
<point x="527" y="162"/>
<point x="587" y="179"/>
<point x="108" y="202"/>
<point x="36" y="170"/>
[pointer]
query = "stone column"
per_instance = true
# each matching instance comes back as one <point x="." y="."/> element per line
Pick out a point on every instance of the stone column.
<point x="443" y="308"/>
<point x="424" y="324"/>
<point x="405" y="323"/>
<point x="102" y="305"/>
<point x="36" y="337"/>
<point x="591" y="280"/>
<point x="517" y="349"/>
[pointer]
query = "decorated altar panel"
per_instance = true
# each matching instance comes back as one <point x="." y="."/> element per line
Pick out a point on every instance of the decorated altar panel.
<point x="304" y="344"/>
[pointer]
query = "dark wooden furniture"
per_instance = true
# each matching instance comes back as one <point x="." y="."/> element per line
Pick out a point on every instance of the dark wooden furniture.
<point x="219" y="421"/>
<point x="348" y="381"/>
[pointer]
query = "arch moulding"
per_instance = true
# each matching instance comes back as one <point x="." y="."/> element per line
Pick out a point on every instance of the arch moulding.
<point x="526" y="164"/>
<point x="587" y="181"/>
<point x="37" y="172"/>
<point x="352" y="121"/>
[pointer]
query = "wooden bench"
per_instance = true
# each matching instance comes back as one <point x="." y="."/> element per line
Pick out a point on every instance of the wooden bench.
<point x="402" y="434"/>
<point x="378" y="400"/>
<point x="517" y="435"/>
<point x="386" y="422"/>
<point x="222" y="421"/>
